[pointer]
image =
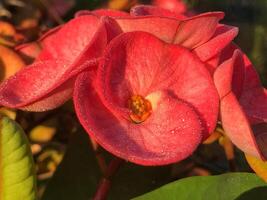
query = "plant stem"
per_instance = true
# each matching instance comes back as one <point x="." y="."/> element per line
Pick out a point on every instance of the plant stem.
<point x="100" y="160"/>
<point x="105" y="183"/>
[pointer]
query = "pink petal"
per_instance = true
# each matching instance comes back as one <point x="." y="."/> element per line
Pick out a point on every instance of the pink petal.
<point x="197" y="30"/>
<point x="237" y="127"/>
<point x="222" y="37"/>
<point x="139" y="63"/>
<point x="166" y="137"/>
<point x="142" y="10"/>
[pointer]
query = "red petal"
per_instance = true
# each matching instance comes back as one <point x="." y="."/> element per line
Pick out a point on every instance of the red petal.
<point x="29" y="51"/>
<point x="254" y="102"/>
<point x="237" y="127"/>
<point x="260" y="132"/>
<point x="47" y="35"/>
<point x="253" y="98"/>
<point x="162" y="27"/>
<point x="252" y="79"/>
<point x="228" y="80"/>
<point x="213" y="63"/>
<point x="139" y="63"/>
<point x="102" y="12"/>
<point x="191" y="32"/>
<point x="166" y="137"/>
<point x="53" y="99"/>
<point x="222" y="37"/>
<point x="41" y="86"/>
<point x="142" y="10"/>
<point x="73" y="48"/>
<point x="197" y="30"/>
<point x="229" y="76"/>
<point x="74" y="38"/>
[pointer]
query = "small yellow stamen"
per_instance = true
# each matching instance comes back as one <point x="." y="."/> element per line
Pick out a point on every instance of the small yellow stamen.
<point x="140" y="108"/>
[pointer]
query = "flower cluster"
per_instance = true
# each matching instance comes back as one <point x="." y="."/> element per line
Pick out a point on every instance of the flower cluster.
<point x="149" y="85"/>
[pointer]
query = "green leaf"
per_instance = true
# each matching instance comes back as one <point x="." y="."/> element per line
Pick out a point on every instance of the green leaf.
<point x="17" y="177"/>
<point x="238" y="186"/>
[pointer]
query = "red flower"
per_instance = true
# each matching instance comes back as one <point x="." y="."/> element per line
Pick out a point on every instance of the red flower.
<point x="201" y="33"/>
<point x="48" y="82"/>
<point x="146" y="96"/>
<point x="243" y="102"/>
<point x="149" y="101"/>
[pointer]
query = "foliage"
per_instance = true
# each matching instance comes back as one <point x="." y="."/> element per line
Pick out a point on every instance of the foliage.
<point x="17" y="173"/>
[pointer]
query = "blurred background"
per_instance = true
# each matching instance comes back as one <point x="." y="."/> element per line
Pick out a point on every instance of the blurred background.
<point x="57" y="133"/>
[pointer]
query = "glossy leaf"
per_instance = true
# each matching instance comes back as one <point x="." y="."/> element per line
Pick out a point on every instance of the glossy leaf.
<point x="17" y="178"/>
<point x="230" y="186"/>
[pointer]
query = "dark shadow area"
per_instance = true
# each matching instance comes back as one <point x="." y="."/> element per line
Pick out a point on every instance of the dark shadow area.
<point x="259" y="193"/>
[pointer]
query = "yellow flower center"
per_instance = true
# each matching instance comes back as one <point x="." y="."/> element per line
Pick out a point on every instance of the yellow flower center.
<point x="140" y="108"/>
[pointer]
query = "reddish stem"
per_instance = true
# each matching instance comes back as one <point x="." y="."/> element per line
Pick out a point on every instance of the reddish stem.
<point x="102" y="190"/>
<point x="105" y="183"/>
<point x="100" y="160"/>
